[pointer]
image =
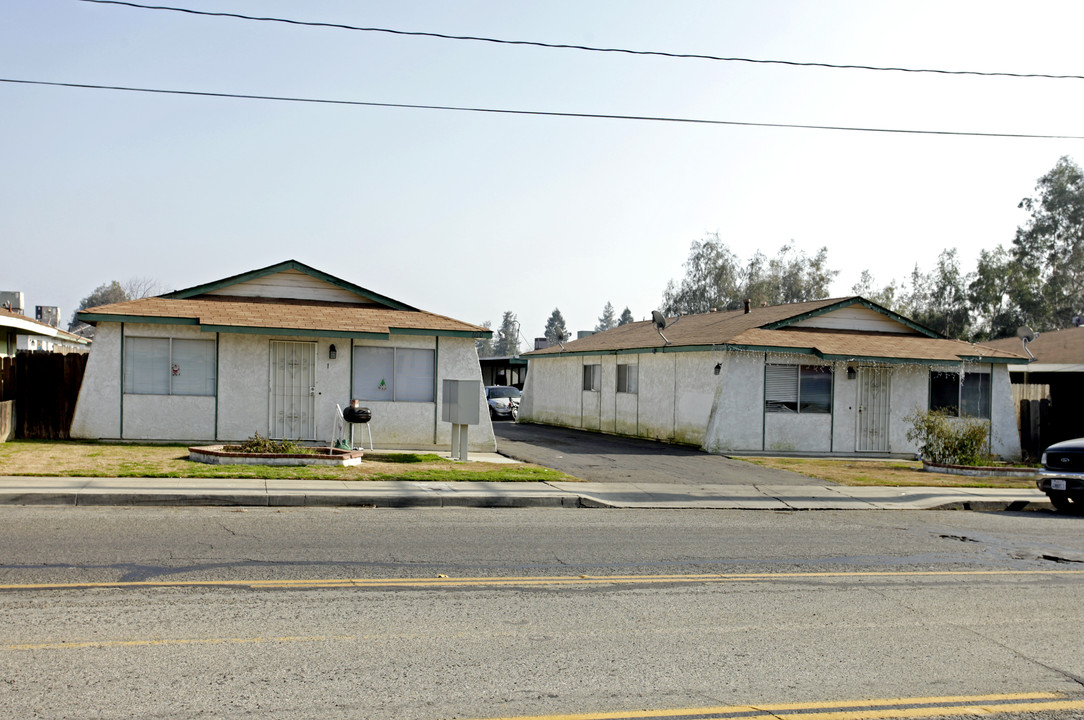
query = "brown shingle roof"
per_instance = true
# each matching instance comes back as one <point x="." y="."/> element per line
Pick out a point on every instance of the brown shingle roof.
<point x="305" y="317"/>
<point x="750" y="329"/>
<point x="1056" y="347"/>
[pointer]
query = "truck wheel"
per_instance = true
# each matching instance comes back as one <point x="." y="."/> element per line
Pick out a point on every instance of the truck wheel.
<point x="1066" y="503"/>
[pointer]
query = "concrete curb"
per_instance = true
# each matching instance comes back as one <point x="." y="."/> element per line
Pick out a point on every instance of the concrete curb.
<point x="170" y="492"/>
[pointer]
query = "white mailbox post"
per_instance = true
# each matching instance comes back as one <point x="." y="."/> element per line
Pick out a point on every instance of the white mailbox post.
<point x="459" y="407"/>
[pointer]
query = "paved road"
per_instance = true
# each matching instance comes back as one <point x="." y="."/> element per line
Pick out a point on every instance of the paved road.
<point x="605" y="458"/>
<point x="432" y="614"/>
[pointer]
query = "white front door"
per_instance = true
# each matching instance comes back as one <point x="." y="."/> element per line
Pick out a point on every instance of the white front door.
<point x="873" y="409"/>
<point x="292" y="402"/>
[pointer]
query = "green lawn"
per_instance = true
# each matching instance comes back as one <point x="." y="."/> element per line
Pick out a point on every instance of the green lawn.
<point x="92" y="459"/>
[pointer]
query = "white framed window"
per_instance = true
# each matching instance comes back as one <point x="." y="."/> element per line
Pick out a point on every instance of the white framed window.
<point x="169" y="366"/>
<point x="394" y="374"/>
<point x="592" y="378"/>
<point x="627" y="380"/>
<point x="798" y="389"/>
<point x="960" y="394"/>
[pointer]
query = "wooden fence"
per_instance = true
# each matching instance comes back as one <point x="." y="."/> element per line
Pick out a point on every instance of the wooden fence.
<point x="1035" y="428"/>
<point x="44" y="387"/>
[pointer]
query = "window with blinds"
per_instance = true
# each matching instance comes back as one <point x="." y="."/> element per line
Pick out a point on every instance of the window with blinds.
<point x="798" y="388"/>
<point x="392" y="374"/>
<point x="169" y="366"/>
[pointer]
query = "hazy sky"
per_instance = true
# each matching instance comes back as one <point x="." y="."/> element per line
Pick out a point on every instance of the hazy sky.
<point x="471" y="214"/>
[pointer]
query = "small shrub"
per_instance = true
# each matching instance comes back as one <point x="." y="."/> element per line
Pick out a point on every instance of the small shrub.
<point x="259" y="444"/>
<point x="949" y="440"/>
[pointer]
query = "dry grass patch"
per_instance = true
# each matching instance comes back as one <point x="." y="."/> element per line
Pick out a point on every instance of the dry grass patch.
<point x="883" y="472"/>
<point x="90" y="459"/>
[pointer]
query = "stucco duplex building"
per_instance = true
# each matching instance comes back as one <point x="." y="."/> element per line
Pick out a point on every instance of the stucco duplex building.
<point x="827" y="376"/>
<point x="273" y="351"/>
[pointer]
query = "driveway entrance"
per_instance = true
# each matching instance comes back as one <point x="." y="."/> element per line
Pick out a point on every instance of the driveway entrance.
<point x="606" y="458"/>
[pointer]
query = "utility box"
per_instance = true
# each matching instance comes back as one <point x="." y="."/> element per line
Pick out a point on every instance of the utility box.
<point x="461" y="401"/>
<point x="459" y="407"/>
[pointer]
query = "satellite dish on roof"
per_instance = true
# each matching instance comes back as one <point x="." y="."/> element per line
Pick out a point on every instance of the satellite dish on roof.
<point x="660" y="322"/>
<point x="560" y="336"/>
<point x="1027" y="335"/>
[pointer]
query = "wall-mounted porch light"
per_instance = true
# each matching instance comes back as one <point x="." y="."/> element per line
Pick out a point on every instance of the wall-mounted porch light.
<point x="331" y="352"/>
<point x="718" y="368"/>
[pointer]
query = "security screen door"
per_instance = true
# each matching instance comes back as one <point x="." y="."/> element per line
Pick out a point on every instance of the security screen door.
<point x="293" y="390"/>
<point x="873" y="387"/>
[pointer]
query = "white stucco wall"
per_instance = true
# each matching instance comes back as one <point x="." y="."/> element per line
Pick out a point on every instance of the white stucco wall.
<point x="737" y="420"/>
<point x="244" y="387"/>
<point x="680" y="399"/>
<point x="97" y="411"/>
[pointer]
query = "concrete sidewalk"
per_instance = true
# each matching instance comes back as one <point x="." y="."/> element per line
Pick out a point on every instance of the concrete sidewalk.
<point x="74" y="491"/>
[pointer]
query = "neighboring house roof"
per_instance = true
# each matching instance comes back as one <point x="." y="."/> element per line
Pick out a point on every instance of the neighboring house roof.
<point x="816" y="327"/>
<point x="315" y="304"/>
<point x="22" y="325"/>
<point x="1054" y="351"/>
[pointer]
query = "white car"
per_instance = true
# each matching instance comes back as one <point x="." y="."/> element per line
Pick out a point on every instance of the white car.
<point x="501" y="399"/>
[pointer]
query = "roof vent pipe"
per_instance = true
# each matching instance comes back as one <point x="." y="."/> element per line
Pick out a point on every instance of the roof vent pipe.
<point x="748" y="304"/>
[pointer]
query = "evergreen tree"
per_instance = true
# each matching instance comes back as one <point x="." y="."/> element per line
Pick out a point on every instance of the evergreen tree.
<point x="507" y="341"/>
<point x="485" y="345"/>
<point x="606" y="321"/>
<point x="555" y="325"/>
<point x="626" y="317"/>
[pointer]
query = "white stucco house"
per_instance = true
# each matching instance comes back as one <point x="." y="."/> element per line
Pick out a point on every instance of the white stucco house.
<point x="274" y="351"/>
<point x="829" y="376"/>
<point x="21" y="333"/>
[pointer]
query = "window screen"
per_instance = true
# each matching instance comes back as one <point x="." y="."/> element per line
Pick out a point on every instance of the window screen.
<point x="413" y="375"/>
<point x="146" y="366"/>
<point x="192" y="370"/>
<point x="169" y="366"/>
<point x="975" y="395"/>
<point x="627" y="378"/>
<point x="394" y="374"/>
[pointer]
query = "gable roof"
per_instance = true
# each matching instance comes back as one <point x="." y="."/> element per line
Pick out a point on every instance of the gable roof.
<point x="221" y="286"/>
<point x="226" y="306"/>
<point x="784" y="328"/>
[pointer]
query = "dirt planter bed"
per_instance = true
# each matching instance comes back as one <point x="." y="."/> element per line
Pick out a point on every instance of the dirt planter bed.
<point x="217" y="455"/>
<point x="980" y="471"/>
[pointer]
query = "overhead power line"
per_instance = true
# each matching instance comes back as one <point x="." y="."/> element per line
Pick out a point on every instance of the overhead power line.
<point x="542" y="113"/>
<point x="588" y="48"/>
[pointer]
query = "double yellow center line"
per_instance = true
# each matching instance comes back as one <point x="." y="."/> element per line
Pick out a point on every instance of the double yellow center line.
<point x="443" y="581"/>
<point x="883" y="709"/>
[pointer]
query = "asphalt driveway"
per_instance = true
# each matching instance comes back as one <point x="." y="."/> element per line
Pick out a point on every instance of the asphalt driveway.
<point x="606" y="458"/>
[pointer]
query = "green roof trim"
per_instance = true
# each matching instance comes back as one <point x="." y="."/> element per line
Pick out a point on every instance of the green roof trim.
<point x="289" y="265"/>
<point x="440" y="333"/>
<point x="91" y="318"/>
<point x="850" y="302"/>
<point x="998" y="361"/>
<point x="674" y="349"/>
<point x="779" y="350"/>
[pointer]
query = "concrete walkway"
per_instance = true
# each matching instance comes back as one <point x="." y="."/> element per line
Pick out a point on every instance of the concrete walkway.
<point x="74" y="491"/>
